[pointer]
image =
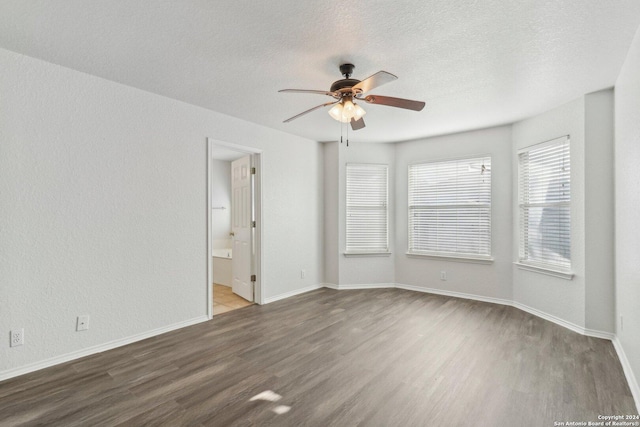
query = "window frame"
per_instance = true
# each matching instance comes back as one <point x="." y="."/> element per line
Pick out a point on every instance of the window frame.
<point x="548" y="268"/>
<point x="453" y="256"/>
<point x="360" y="251"/>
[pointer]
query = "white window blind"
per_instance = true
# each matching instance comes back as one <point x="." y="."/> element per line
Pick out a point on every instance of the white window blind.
<point x="545" y="204"/>
<point x="367" y="212"/>
<point x="450" y="208"/>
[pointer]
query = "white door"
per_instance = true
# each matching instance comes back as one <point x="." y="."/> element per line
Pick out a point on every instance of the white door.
<point x="241" y="227"/>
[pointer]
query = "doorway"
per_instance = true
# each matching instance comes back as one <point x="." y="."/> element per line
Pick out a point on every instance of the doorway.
<point x="234" y="227"/>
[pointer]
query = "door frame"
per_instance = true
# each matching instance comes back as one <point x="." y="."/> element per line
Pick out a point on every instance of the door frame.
<point x="256" y="153"/>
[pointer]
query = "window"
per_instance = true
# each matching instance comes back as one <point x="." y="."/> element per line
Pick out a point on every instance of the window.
<point x="450" y="208"/>
<point x="367" y="213"/>
<point x="545" y="205"/>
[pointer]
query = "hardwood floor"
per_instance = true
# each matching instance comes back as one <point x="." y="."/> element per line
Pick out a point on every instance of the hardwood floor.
<point x="225" y="300"/>
<point x="383" y="357"/>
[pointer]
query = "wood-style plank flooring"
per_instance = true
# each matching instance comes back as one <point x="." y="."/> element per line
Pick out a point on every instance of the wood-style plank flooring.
<point x="225" y="300"/>
<point x="384" y="357"/>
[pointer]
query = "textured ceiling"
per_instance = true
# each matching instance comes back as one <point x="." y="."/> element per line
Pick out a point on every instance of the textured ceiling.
<point x="475" y="63"/>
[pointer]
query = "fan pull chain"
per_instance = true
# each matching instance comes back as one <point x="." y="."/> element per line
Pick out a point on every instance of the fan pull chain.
<point x="342" y="125"/>
<point x="347" y="135"/>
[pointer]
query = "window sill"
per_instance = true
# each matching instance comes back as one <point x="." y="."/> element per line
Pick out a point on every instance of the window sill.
<point x="566" y="275"/>
<point x="461" y="258"/>
<point x="365" y="254"/>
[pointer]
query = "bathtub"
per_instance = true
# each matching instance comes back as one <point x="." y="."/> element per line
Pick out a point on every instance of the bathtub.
<point x="222" y="266"/>
<point x="222" y="253"/>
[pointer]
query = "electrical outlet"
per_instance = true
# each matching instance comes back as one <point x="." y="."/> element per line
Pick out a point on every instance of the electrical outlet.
<point x="82" y="323"/>
<point x="303" y="273"/>
<point x="17" y="337"/>
<point x="443" y="275"/>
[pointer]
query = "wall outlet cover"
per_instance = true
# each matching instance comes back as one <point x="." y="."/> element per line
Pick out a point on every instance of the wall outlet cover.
<point x="17" y="337"/>
<point x="82" y="323"/>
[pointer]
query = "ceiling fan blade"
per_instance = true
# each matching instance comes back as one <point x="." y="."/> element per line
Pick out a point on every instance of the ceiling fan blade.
<point x="309" y="110"/>
<point x="378" y="79"/>
<point x="357" y="124"/>
<point x="319" y="92"/>
<point x="394" y="102"/>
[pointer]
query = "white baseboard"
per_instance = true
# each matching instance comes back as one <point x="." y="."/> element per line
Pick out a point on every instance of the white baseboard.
<point x="564" y="323"/>
<point x="5" y="375"/>
<point x="454" y="294"/>
<point x="599" y="334"/>
<point x="549" y="317"/>
<point x="294" y="293"/>
<point x="520" y="306"/>
<point x="628" y="372"/>
<point x="362" y="286"/>
<point x="558" y="321"/>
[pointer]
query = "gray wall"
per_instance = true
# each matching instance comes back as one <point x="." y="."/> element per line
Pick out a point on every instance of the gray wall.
<point x="360" y="269"/>
<point x="488" y="280"/>
<point x="599" y="212"/>
<point x="585" y="301"/>
<point x="220" y="197"/>
<point x="103" y="210"/>
<point x="627" y="208"/>
<point x="558" y="297"/>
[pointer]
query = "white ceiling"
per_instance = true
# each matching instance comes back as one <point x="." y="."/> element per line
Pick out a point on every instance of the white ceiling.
<point x="475" y="63"/>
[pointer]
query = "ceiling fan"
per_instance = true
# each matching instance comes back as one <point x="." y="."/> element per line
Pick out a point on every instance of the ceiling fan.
<point x="347" y="91"/>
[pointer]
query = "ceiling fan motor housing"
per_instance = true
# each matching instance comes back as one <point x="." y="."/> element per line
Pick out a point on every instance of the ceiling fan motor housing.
<point x="346" y="70"/>
<point x="344" y="83"/>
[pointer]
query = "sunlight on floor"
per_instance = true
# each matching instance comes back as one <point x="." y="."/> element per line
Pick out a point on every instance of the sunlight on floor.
<point x="271" y="396"/>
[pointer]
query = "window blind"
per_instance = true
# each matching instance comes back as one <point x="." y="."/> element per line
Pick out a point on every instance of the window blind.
<point x="367" y="212"/>
<point x="450" y="208"/>
<point x="545" y="204"/>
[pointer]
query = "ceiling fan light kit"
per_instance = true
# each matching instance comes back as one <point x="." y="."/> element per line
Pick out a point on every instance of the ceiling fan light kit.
<point x="336" y="113"/>
<point x="346" y="91"/>
<point x="346" y="109"/>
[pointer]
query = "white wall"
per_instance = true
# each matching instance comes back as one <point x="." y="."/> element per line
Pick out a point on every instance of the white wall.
<point x="220" y="197"/>
<point x="353" y="270"/>
<point x="358" y="270"/>
<point x="103" y="209"/>
<point x="627" y="208"/>
<point x="558" y="297"/>
<point x="331" y="220"/>
<point x="587" y="300"/>
<point x="599" y="212"/>
<point x="486" y="280"/>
